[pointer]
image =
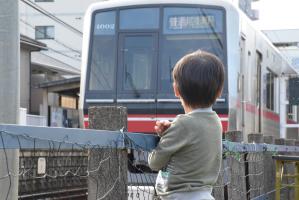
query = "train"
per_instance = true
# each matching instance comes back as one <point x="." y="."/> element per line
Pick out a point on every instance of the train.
<point x="131" y="46"/>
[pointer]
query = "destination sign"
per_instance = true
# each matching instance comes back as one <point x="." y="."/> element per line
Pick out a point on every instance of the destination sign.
<point x="191" y="22"/>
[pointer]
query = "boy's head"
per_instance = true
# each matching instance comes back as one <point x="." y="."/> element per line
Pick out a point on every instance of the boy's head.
<point x="198" y="78"/>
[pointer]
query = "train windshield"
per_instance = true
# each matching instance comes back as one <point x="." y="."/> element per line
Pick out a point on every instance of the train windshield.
<point x="138" y="47"/>
<point x="186" y="30"/>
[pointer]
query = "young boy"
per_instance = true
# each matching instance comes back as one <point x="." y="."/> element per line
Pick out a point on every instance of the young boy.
<point x="189" y="153"/>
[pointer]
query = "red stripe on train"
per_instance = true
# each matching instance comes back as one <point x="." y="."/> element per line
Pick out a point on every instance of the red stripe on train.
<point x="145" y="123"/>
<point x="251" y="108"/>
<point x="266" y="114"/>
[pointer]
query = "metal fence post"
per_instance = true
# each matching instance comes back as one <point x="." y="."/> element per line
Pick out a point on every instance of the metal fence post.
<point x="290" y="169"/>
<point x="284" y="194"/>
<point x="110" y="181"/>
<point x="278" y="179"/>
<point x="297" y="181"/>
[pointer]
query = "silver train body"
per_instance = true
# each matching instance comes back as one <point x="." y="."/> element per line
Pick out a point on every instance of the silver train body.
<point x="254" y="67"/>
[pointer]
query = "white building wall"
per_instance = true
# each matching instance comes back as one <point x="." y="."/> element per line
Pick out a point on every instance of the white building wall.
<point x="66" y="45"/>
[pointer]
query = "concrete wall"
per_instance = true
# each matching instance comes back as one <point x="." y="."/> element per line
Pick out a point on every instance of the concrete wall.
<point x="25" y="78"/>
<point x="37" y="93"/>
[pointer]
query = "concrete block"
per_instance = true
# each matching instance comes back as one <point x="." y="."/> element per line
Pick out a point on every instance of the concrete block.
<point x="269" y="139"/>
<point x="234" y="136"/>
<point x="109" y="166"/>
<point x="255" y="138"/>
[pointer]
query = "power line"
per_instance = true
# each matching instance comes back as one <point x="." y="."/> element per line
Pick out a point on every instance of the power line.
<point x="59" y="52"/>
<point x="48" y="14"/>
<point x="57" y="41"/>
<point x="53" y="50"/>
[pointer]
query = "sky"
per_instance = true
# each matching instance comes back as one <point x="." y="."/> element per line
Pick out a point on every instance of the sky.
<point x="277" y="14"/>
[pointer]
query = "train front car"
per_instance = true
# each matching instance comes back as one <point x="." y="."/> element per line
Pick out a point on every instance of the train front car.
<point x="131" y="47"/>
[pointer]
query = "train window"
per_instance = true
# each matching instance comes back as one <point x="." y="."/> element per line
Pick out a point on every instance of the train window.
<point x="292" y="112"/>
<point x="270" y="88"/>
<point x="102" y="60"/>
<point x="138" y="62"/>
<point x="140" y="18"/>
<point x="180" y="38"/>
<point x="105" y="23"/>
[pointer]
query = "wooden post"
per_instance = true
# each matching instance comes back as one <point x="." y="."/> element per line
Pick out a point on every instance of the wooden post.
<point x="269" y="169"/>
<point x="254" y="168"/>
<point x="234" y="136"/>
<point x="269" y="139"/>
<point x="236" y="173"/>
<point x="109" y="182"/>
<point x="255" y="138"/>
<point x="279" y="141"/>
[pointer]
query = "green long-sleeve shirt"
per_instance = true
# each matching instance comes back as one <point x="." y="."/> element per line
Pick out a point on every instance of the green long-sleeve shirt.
<point x="189" y="153"/>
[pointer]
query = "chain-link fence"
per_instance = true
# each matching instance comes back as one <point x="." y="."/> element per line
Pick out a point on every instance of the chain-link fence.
<point x="47" y="163"/>
<point x="248" y="170"/>
<point x="60" y="163"/>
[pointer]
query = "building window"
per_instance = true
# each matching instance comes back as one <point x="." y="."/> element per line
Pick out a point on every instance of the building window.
<point x="44" y="0"/>
<point x="44" y="32"/>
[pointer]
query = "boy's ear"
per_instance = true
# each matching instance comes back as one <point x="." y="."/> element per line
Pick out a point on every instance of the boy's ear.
<point x="219" y="93"/>
<point x="176" y="90"/>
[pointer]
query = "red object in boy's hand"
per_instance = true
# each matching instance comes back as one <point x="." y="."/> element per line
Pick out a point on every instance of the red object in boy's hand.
<point x="161" y="127"/>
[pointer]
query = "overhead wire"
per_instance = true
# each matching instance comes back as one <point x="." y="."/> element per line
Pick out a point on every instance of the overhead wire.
<point x="59" y="52"/>
<point x="64" y="24"/>
<point x="56" y="40"/>
<point x="53" y="17"/>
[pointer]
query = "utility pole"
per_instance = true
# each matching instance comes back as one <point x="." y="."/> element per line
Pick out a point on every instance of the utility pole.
<point x="9" y="92"/>
<point x="9" y="61"/>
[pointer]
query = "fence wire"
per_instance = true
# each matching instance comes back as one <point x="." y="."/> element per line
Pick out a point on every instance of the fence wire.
<point x="49" y="169"/>
<point x="61" y="170"/>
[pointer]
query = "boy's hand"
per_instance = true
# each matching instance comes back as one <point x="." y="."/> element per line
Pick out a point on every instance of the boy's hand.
<point x="161" y="127"/>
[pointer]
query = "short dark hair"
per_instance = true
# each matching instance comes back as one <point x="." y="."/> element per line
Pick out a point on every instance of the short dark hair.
<point x="199" y="77"/>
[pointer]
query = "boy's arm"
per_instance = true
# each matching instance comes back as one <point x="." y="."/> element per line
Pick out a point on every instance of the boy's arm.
<point x="172" y="140"/>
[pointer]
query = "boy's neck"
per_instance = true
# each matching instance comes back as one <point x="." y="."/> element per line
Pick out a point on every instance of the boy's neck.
<point x="189" y="109"/>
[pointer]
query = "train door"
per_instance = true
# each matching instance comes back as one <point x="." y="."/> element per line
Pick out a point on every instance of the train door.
<point x="137" y="68"/>
<point x="242" y="83"/>
<point x="258" y="91"/>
